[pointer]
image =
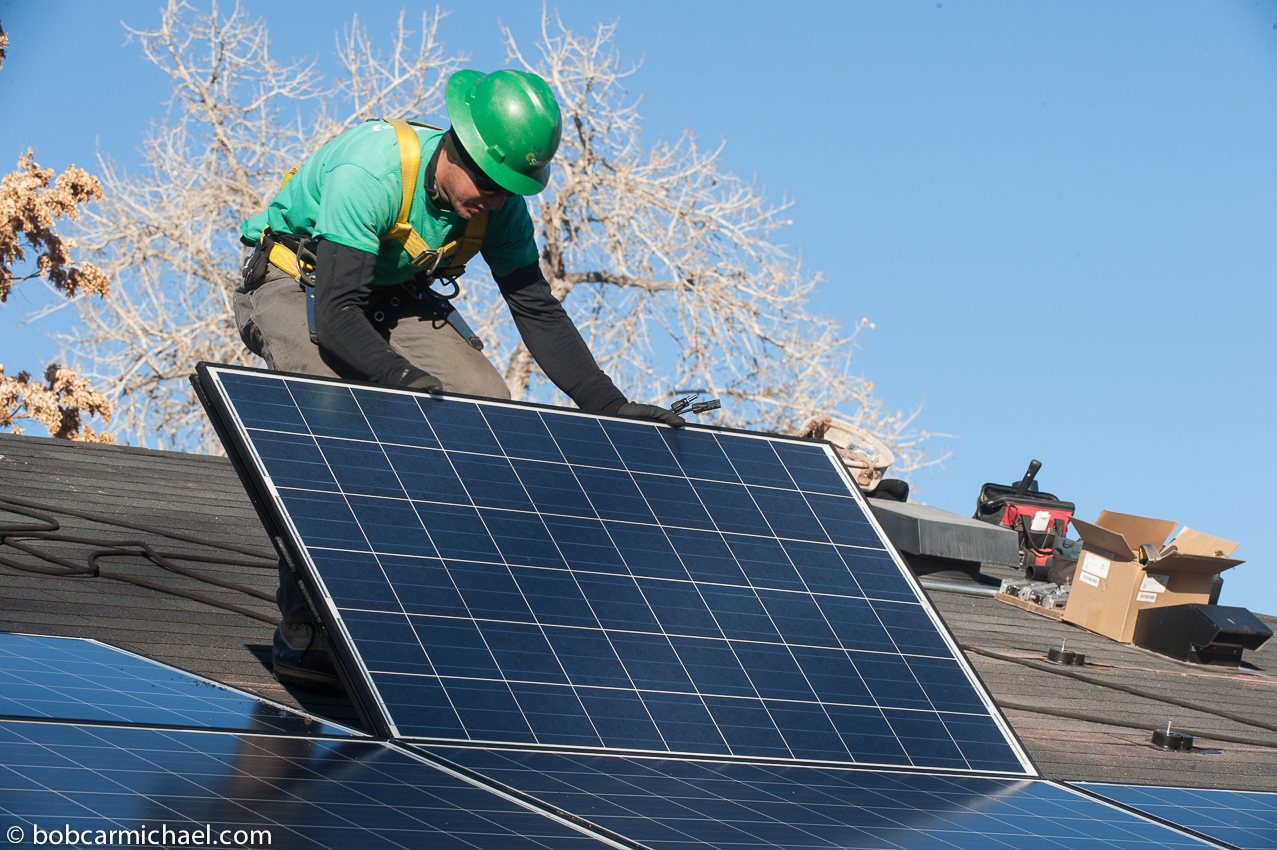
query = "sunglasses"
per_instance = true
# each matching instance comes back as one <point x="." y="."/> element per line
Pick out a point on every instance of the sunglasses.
<point x="482" y="182"/>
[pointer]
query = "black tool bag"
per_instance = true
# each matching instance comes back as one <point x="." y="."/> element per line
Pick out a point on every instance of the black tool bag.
<point x="1040" y="520"/>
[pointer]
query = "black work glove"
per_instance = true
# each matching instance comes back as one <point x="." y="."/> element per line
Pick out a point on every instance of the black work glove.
<point x="645" y="411"/>
<point x="416" y="379"/>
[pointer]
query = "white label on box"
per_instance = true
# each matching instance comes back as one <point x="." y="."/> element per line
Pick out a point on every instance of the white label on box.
<point x="1087" y="578"/>
<point x="1093" y="563"/>
<point x="1041" y="520"/>
<point x="1154" y="584"/>
<point x="1146" y="597"/>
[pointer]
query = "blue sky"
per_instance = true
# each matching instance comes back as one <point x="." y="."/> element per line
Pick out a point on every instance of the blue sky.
<point x="1059" y="215"/>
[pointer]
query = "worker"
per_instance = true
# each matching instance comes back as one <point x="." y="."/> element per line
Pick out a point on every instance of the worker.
<point x="339" y="283"/>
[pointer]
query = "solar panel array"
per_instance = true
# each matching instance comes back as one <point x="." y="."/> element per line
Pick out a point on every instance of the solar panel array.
<point x="77" y="679"/>
<point x="509" y="574"/>
<point x="1245" y="819"/>
<point x="126" y="786"/>
<point x="689" y="805"/>
<point x="119" y="749"/>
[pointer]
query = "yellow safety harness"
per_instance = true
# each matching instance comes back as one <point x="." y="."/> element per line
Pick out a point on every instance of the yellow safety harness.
<point x="457" y="251"/>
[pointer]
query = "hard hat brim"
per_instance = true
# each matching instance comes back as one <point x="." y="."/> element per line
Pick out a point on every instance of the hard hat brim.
<point x="463" y="123"/>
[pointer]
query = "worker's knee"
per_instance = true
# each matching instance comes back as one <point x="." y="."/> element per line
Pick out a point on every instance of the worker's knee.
<point x="473" y="374"/>
<point x="440" y="350"/>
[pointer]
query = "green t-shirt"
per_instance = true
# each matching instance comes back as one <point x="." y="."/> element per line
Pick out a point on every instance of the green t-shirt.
<point x="349" y="192"/>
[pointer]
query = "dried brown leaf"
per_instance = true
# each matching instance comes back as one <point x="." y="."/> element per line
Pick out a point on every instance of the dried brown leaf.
<point x="59" y="404"/>
<point x="29" y="209"/>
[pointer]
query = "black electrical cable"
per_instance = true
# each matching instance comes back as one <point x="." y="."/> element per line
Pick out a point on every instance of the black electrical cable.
<point x="1091" y="680"/>
<point x="49" y="529"/>
<point x="1109" y="721"/>
<point x="149" y="529"/>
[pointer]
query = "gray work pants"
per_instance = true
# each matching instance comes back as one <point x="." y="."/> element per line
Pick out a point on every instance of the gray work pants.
<point x="272" y="323"/>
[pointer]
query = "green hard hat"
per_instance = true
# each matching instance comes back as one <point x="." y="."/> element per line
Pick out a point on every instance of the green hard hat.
<point x="508" y="121"/>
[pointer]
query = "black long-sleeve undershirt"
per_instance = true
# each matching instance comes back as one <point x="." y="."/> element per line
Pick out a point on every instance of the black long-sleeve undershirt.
<point x="342" y="291"/>
<point x="343" y="285"/>
<point x="554" y="341"/>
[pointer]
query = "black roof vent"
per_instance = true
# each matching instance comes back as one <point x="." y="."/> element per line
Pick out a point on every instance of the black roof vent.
<point x="1203" y="634"/>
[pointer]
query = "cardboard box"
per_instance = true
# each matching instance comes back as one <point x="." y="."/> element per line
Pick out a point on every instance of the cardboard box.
<point x="1111" y="586"/>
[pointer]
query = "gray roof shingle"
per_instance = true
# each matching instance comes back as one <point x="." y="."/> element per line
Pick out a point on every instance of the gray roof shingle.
<point x="202" y="497"/>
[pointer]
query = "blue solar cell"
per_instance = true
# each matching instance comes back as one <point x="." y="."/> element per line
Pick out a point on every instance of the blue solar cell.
<point x="699" y="455"/>
<point x="458" y="532"/>
<point x="390" y="639"/>
<point x="553" y="488"/>
<point x="296" y="792"/>
<point x="581" y="440"/>
<point x="798" y="618"/>
<point x="679" y="607"/>
<point x="324" y="519"/>
<point x="676" y="804"/>
<point x="774" y="672"/>
<point x="640" y="447"/>
<point x="755" y="461"/>
<point x="621" y="566"/>
<point x="556" y="596"/>
<point x="490" y="592"/>
<point x="329" y="410"/>
<point x="360" y="468"/>
<point x="420" y="585"/>
<point x="613" y="494"/>
<point x="1246" y="819"/>
<point x="426" y="474"/>
<point x="588" y="661"/>
<point x="399" y="419"/>
<point x="490" y="481"/>
<point x="789" y="515"/>
<point x="392" y="526"/>
<point x="714" y="666"/>
<point x="705" y="556"/>
<point x="810" y="468"/>
<point x="649" y="550"/>
<point x="458" y="425"/>
<point x="362" y="575"/>
<point x="260" y="403"/>
<point x="295" y="458"/>
<point x="765" y="562"/>
<point x="522" y="434"/>
<point x="74" y="679"/>
<point x="523" y="653"/>
<point x="523" y="539"/>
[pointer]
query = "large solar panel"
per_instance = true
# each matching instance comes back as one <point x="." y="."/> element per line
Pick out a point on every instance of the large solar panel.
<point x="78" y="679"/>
<point x="507" y="573"/>
<point x="685" y="804"/>
<point x="248" y="790"/>
<point x="1246" y="819"/>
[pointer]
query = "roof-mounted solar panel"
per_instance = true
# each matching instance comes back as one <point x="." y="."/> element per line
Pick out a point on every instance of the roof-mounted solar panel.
<point x="114" y="785"/>
<point x="513" y="574"/>
<point x="66" y="678"/>
<point x="1245" y="819"/>
<point x="689" y="804"/>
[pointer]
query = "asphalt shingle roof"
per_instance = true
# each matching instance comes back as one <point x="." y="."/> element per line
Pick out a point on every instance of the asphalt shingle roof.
<point x="198" y="496"/>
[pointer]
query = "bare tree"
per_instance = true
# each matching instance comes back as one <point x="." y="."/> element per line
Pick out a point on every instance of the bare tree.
<point x="238" y="120"/>
<point x="678" y="278"/>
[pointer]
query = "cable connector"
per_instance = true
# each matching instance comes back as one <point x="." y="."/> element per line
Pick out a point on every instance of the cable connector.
<point x="690" y="404"/>
<point x="682" y="404"/>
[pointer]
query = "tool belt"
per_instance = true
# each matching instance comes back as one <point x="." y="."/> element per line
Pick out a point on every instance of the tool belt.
<point x="295" y="256"/>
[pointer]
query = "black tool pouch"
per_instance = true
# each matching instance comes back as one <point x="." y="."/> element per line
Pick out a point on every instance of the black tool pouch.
<point x="258" y="262"/>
